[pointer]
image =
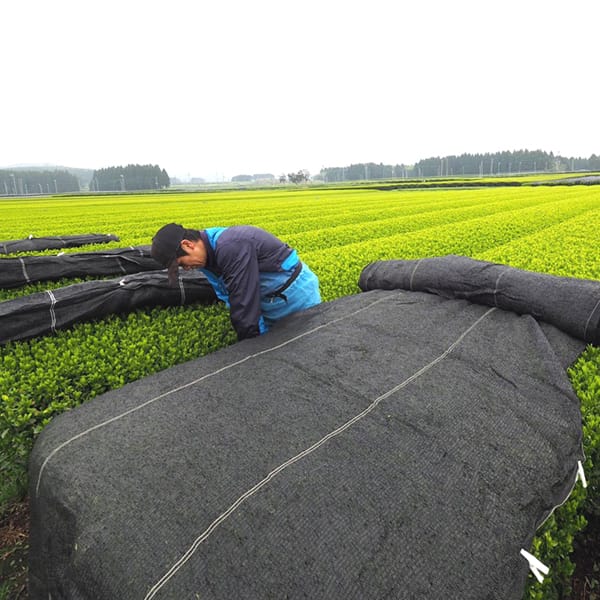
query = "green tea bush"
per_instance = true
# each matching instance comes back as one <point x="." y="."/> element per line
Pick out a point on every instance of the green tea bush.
<point x="585" y="377"/>
<point x="49" y="375"/>
<point x="554" y="540"/>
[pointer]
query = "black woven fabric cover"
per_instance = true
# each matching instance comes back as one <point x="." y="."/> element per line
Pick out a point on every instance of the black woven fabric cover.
<point x="390" y="444"/>
<point x="45" y="312"/>
<point x="51" y="242"/>
<point x="571" y="304"/>
<point x="16" y="272"/>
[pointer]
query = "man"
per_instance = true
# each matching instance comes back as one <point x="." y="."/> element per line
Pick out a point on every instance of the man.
<point x="260" y="278"/>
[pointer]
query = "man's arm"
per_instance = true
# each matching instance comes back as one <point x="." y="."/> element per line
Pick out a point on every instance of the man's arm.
<point x="240" y="273"/>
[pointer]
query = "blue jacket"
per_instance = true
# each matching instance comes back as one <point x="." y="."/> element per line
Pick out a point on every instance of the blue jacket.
<point x="245" y="264"/>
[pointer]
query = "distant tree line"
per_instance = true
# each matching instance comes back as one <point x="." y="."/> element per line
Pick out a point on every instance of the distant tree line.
<point x="363" y="171"/>
<point x="21" y="183"/>
<point x="131" y="177"/>
<point x="499" y="163"/>
<point x="502" y="163"/>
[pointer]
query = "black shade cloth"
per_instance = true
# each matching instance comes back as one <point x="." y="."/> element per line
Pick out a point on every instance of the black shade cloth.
<point x="51" y="242"/>
<point x="45" y="312"/>
<point x="390" y="444"/>
<point x="573" y="305"/>
<point x="15" y="272"/>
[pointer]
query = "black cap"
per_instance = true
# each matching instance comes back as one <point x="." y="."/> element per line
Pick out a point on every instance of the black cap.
<point x="165" y="246"/>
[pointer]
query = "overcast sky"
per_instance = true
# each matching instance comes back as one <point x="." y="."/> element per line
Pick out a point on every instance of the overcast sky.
<point x="219" y="88"/>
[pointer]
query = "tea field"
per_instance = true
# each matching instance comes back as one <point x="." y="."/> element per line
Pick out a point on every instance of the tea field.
<point x="337" y="232"/>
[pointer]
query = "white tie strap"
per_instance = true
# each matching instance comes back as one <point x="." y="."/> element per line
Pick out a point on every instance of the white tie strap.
<point x="581" y="474"/>
<point x="537" y="567"/>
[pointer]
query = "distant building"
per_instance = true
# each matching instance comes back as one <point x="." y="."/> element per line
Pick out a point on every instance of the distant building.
<point x="255" y="177"/>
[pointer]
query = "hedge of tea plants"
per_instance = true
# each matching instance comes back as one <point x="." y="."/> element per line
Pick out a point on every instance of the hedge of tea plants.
<point x="547" y="229"/>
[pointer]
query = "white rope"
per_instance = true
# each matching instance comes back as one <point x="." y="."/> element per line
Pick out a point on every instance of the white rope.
<point x="587" y="324"/>
<point x="52" y="313"/>
<point x="413" y="274"/>
<point x="497" y="283"/>
<point x="24" y="270"/>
